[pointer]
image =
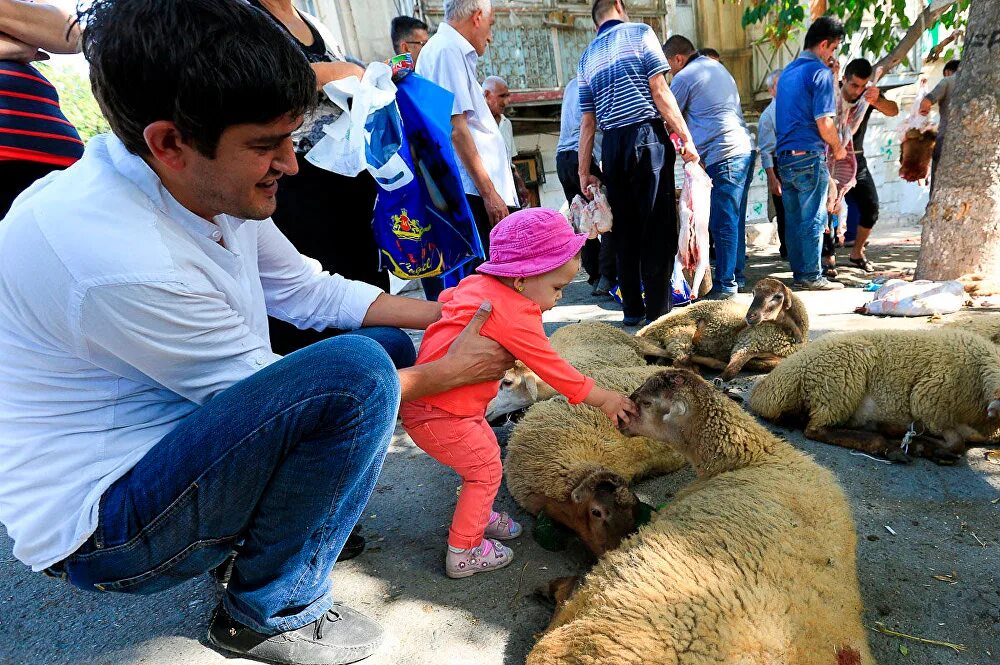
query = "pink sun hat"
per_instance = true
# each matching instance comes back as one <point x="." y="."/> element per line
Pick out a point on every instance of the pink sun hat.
<point x="531" y="242"/>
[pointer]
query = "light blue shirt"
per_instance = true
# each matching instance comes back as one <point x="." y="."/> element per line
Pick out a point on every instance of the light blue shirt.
<point x="569" y="126"/>
<point x="120" y="314"/>
<point x="710" y="102"/>
<point x="767" y="140"/>
<point x="614" y="74"/>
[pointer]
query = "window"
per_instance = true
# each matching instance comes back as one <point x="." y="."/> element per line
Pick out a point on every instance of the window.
<point x="308" y="6"/>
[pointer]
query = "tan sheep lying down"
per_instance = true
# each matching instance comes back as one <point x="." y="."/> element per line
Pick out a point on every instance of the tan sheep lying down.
<point x="593" y="347"/>
<point x="753" y="563"/>
<point x="861" y="389"/>
<point x="727" y="336"/>
<point x="984" y="324"/>
<point x="572" y="464"/>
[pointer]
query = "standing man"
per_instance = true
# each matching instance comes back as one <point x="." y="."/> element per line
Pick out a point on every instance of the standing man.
<point x="449" y="59"/>
<point x="409" y="35"/>
<point x="940" y="96"/>
<point x="864" y="195"/>
<point x="707" y="96"/>
<point x="624" y="92"/>
<point x="598" y="254"/>
<point x="497" y="95"/>
<point x="766" y="142"/>
<point x="805" y="112"/>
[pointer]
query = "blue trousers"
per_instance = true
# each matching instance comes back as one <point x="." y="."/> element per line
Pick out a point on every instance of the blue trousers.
<point x="277" y="467"/>
<point x="727" y="219"/>
<point x="804" y="181"/>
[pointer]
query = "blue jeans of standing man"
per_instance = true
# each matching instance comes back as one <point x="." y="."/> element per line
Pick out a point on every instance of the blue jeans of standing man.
<point x="278" y="467"/>
<point x="727" y="219"/>
<point x="804" y="181"/>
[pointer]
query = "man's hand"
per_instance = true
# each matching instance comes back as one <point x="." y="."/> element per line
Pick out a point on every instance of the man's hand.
<point x="690" y="154"/>
<point x="496" y="209"/>
<point x="773" y="183"/>
<point x="872" y="94"/>
<point x="840" y="152"/>
<point x="586" y="181"/>
<point x="925" y="106"/>
<point x="474" y="358"/>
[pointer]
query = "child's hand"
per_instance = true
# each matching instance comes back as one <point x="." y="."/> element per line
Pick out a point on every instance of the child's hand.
<point x="614" y="405"/>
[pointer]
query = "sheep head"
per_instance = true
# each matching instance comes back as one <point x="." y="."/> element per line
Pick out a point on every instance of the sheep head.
<point x="601" y="510"/>
<point x="771" y="298"/>
<point x="666" y="407"/>
<point x="519" y="389"/>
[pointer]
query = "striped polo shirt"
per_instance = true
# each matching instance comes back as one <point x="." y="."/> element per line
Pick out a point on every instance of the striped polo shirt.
<point x="32" y="126"/>
<point x="614" y="74"/>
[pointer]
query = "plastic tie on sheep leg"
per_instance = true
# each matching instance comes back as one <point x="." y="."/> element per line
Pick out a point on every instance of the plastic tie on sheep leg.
<point x="908" y="438"/>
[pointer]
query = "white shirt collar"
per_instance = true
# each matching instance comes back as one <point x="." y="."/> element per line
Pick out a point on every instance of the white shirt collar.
<point x="457" y="37"/>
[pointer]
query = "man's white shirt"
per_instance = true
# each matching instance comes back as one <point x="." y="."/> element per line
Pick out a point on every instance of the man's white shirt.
<point x="120" y="314"/>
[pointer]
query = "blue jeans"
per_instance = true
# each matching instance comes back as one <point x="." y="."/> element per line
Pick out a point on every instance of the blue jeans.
<point x="804" y="181"/>
<point x="277" y="467"/>
<point x="727" y="219"/>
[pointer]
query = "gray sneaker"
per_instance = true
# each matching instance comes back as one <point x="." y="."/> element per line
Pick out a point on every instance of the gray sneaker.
<point x="340" y="636"/>
<point x="821" y="284"/>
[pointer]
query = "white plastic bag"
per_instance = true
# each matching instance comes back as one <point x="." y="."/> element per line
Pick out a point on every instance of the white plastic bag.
<point x="694" y="208"/>
<point x="347" y="147"/>
<point x="920" y="298"/>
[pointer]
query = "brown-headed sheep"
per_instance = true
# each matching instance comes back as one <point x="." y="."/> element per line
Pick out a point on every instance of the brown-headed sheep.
<point x="858" y="389"/>
<point x="754" y="562"/>
<point x="572" y="464"/>
<point x="723" y="335"/>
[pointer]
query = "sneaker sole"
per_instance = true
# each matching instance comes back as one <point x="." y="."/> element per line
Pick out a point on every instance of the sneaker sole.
<point x="476" y="571"/>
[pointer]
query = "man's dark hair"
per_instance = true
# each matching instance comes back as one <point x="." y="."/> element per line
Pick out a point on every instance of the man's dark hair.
<point x="204" y="65"/>
<point x="952" y="65"/>
<point x="859" y="68"/>
<point x="710" y="52"/>
<point x="677" y="45"/>
<point x="824" y="29"/>
<point x="402" y="28"/>
<point x="602" y="7"/>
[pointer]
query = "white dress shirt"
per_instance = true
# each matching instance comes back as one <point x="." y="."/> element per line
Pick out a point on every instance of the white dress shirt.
<point x="507" y="132"/>
<point x="120" y="314"/>
<point x="449" y="60"/>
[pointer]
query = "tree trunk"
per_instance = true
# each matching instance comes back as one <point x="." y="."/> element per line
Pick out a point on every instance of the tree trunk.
<point x="923" y="22"/>
<point x="961" y="227"/>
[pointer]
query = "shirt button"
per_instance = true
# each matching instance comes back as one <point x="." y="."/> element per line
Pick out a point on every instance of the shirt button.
<point x="259" y="362"/>
<point x="216" y="235"/>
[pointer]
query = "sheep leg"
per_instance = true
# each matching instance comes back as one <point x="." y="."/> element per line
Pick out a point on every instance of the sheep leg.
<point x="736" y="363"/>
<point x="872" y="443"/>
<point x="765" y="362"/>
<point x="946" y="450"/>
<point x="705" y="361"/>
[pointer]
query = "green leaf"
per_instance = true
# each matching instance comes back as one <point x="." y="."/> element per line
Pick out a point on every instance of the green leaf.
<point x="903" y="649"/>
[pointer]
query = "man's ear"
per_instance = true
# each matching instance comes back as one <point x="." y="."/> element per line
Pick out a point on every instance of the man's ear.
<point x="166" y="144"/>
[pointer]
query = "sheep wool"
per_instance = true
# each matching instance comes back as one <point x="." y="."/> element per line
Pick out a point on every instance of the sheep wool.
<point x="754" y="562"/>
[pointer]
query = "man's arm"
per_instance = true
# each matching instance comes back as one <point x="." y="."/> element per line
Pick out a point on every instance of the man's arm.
<point x="886" y="107"/>
<point x="41" y="25"/>
<point x="471" y="359"/>
<point x="588" y="127"/>
<point x="17" y="51"/>
<point x="467" y="151"/>
<point x="399" y="312"/>
<point x="667" y="106"/>
<point x="827" y="127"/>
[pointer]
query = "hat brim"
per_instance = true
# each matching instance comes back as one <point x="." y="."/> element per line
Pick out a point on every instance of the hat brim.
<point x="535" y="266"/>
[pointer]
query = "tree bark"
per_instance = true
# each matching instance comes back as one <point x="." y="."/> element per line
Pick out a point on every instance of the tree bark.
<point x="961" y="227"/>
<point x="924" y="22"/>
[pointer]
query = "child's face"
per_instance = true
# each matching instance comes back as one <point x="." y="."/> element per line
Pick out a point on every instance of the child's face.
<point x="546" y="289"/>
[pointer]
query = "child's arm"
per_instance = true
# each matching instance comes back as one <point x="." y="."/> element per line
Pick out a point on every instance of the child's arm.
<point x="614" y="405"/>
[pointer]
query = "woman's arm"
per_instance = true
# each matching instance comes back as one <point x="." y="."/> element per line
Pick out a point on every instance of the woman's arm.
<point x="41" y="25"/>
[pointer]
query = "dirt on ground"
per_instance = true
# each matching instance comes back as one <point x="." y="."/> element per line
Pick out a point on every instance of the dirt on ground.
<point x="929" y="539"/>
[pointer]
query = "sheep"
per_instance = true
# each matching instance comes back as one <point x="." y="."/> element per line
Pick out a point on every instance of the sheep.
<point x="572" y="464"/>
<point x="938" y="389"/>
<point x="985" y="324"/>
<point x="723" y="336"/>
<point x="754" y="562"/>
<point x="591" y="347"/>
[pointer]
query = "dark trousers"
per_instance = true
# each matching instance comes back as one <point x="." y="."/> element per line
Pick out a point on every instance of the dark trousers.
<point x="639" y="174"/>
<point x="598" y="254"/>
<point x="16" y="176"/>
<point x="779" y="215"/>
<point x="328" y="217"/>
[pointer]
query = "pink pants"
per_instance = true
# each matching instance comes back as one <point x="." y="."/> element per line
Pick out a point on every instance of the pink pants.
<point x="467" y="445"/>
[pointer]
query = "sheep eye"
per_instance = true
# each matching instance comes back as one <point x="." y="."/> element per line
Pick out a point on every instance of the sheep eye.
<point x="507" y="383"/>
<point x="596" y="512"/>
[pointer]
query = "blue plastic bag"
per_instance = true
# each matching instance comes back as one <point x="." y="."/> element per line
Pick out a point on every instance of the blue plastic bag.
<point x="424" y="228"/>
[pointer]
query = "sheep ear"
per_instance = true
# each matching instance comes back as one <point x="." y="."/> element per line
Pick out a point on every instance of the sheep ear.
<point x="585" y="490"/>
<point x="677" y="409"/>
<point x="532" y="386"/>
<point x="788" y="297"/>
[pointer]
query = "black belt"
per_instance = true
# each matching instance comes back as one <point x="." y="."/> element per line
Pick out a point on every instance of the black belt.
<point x="799" y="153"/>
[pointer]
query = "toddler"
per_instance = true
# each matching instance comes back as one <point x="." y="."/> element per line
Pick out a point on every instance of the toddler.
<point x="533" y="254"/>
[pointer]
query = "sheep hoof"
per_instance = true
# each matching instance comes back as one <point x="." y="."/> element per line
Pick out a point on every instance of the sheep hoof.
<point x="942" y="458"/>
<point x="898" y="455"/>
<point x="718" y="382"/>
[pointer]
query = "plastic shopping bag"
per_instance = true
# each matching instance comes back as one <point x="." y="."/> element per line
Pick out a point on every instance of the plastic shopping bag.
<point x="694" y="208"/>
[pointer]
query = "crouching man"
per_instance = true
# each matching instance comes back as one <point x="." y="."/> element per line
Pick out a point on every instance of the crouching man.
<point x="146" y="428"/>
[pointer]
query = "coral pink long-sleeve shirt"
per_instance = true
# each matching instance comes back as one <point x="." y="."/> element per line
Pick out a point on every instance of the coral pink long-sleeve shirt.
<point x="516" y="324"/>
